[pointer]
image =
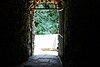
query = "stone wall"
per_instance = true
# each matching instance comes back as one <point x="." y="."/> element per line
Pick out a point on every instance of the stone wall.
<point x="15" y="31"/>
<point x="60" y="34"/>
<point x="79" y="33"/>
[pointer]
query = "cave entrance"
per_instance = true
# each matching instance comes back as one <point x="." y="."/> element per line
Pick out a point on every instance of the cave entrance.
<point x="45" y="30"/>
<point x="45" y="27"/>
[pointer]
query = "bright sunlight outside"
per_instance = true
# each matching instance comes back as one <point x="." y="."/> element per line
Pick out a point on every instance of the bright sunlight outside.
<point x="46" y="30"/>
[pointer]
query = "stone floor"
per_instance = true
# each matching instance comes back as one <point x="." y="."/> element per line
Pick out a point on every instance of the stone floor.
<point x="42" y="60"/>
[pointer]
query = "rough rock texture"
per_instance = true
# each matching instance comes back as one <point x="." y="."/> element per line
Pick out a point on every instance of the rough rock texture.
<point x="14" y="39"/>
<point x="80" y="42"/>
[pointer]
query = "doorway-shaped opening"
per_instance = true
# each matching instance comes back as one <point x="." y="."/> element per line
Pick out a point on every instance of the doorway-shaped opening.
<point x="46" y="30"/>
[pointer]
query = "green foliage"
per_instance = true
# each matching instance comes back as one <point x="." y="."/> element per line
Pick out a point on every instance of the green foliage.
<point x="46" y="21"/>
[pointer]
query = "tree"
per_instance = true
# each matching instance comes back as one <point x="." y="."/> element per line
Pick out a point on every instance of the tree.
<point x="46" y="21"/>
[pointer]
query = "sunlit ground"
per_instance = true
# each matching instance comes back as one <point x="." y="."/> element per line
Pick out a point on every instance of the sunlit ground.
<point x="46" y="41"/>
<point x="40" y="52"/>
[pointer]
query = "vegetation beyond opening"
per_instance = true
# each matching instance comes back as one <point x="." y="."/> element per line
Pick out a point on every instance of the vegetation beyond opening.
<point x="46" y="21"/>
